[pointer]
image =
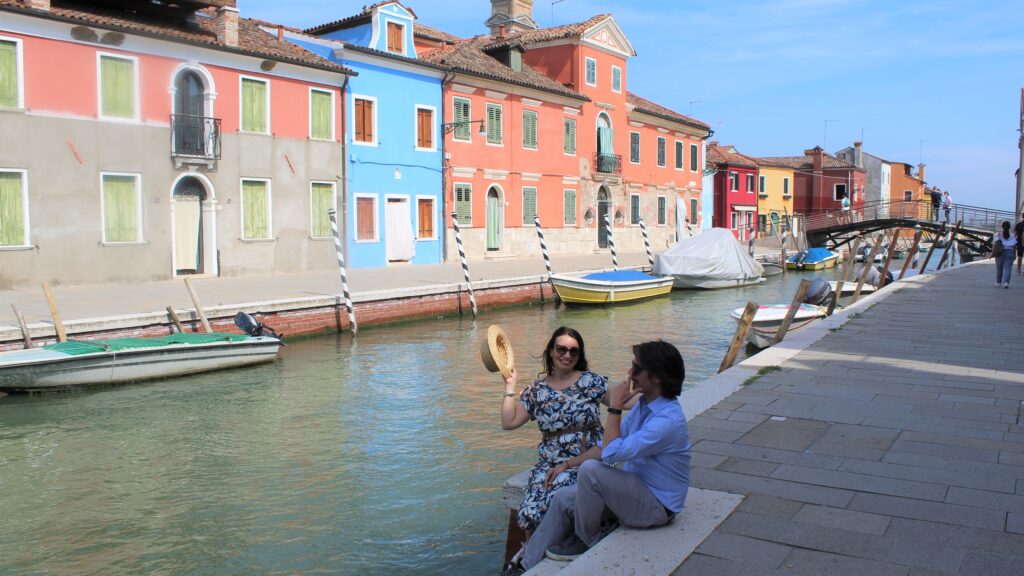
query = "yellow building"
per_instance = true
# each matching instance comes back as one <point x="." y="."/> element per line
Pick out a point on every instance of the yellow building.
<point x="774" y="196"/>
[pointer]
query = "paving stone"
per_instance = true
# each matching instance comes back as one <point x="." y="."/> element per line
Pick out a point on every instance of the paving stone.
<point x="1011" y="458"/>
<point x="705" y="460"/>
<point x="1015" y="522"/>
<point x="926" y="510"/>
<point x="814" y="562"/>
<point x="747" y="417"/>
<point x="861" y="482"/>
<point x="750" y="551"/>
<point x="979" y="424"/>
<point x="743" y="484"/>
<point x="985" y="499"/>
<point x="926" y="556"/>
<point x="769" y="506"/>
<point x="990" y="564"/>
<point x="845" y="519"/>
<point x="945" y="451"/>
<point x="810" y="536"/>
<point x="788" y="434"/>
<point x="744" y="466"/>
<point x="720" y="424"/>
<point x="965" y="398"/>
<point x="704" y="433"/>
<point x="702" y="565"/>
<point x="953" y="476"/>
<point x="954" y="440"/>
<point x="935" y="428"/>
<point x="855" y="441"/>
<point x="768" y="454"/>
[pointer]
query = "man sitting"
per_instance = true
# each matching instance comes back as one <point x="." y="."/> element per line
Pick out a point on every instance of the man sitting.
<point x="652" y="444"/>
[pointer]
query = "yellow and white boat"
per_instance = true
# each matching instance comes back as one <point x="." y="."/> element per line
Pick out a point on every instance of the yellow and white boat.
<point x="812" y="259"/>
<point x="609" y="287"/>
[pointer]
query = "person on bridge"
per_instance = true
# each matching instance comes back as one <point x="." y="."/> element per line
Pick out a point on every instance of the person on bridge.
<point x="936" y="202"/>
<point x="653" y="445"/>
<point x="1018" y="232"/>
<point x="947" y="204"/>
<point x="1004" y="261"/>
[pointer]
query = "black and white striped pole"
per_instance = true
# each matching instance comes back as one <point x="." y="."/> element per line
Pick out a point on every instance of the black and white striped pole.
<point x="332" y="214"/>
<point x="547" y="258"/>
<point x="647" y="242"/>
<point x="611" y="242"/>
<point x="462" y="258"/>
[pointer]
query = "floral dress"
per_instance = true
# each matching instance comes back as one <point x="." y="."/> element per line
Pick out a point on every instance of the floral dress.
<point x="570" y="421"/>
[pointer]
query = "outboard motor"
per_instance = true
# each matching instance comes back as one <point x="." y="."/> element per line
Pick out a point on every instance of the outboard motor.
<point x="888" y="277"/>
<point x="819" y="293"/>
<point x="250" y="325"/>
<point x="800" y="257"/>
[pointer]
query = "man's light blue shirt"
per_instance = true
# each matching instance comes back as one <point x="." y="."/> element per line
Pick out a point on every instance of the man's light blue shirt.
<point x="654" y="444"/>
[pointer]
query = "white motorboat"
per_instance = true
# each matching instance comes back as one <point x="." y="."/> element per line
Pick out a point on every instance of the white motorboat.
<point x="769" y="318"/>
<point x="711" y="259"/>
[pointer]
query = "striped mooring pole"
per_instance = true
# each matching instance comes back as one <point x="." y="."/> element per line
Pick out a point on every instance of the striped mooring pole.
<point x="332" y="214"/>
<point x="462" y="258"/>
<point x="547" y="258"/>
<point x="611" y="241"/>
<point x="647" y="242"/>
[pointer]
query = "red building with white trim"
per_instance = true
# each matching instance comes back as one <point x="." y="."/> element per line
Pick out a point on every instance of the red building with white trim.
<point x="735" y="181"/>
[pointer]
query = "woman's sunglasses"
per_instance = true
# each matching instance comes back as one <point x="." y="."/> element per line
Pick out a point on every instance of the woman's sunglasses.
<point x="562" y="351"/>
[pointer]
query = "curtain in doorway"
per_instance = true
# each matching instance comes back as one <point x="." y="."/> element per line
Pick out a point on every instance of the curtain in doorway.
<point x="604" y="140"/>
<point x="187" y="220"/>
<point x="401" y="246"/>
<point x="493" y="222"/>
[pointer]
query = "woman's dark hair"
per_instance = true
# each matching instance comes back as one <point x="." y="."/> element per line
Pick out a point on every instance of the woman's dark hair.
<point x="662" y="360"/>
<point x="1006" y="230"/>
<point x="581" y="361"/>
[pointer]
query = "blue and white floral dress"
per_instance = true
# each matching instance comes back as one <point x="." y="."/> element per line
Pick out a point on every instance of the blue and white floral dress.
<point x="570" y="421"/>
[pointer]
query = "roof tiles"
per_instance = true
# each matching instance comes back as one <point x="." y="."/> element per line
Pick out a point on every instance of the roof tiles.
<point x="645" y="106"/>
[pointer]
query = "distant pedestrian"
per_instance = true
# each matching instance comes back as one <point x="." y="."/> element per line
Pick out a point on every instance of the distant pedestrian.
<point x="845" y="203"/>
<point x="1004" y="248"/>
<point x="936" y="202"/>
<point x="1019" y="233"/>
<point x="947" y="204"/>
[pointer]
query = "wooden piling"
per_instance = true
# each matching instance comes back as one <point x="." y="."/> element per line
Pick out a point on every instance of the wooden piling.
<point x="198" y="305"/>
<point x="23" y="325"/>
<point x="869" y="262"/>
<point x="942" y="230"/>
<point x="952" y="236"/>
<point x="798" y="299"/>
<point x="847" y="267"/>
<point x="888" y="258"/>
<point x="58" y="324"/>
<point x="174" y="318"/>
<point x="910" y="255"/>
<point x="742" y="329"/>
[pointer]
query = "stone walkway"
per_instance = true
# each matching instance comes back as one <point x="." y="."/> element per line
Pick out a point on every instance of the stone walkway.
<point x="894" y="445"/>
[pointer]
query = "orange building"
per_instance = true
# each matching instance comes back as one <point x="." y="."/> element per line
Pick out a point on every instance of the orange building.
<point x="909" y="187"/>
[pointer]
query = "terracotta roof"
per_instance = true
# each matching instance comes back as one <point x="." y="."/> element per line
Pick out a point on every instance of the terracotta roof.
<point x="645" y="106"/>
<point x="356" y="19"/>
<point x="805" y="162"/>
<point x="434" y="34"/>
<point x="468" y="56"/>
<point x="546" y="34"/>
<point x="723" y="155"/>
<point x="252" y="40"/>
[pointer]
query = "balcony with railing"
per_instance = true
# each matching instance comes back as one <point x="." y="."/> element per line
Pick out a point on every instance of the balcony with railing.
<point x="195" y="138"/>
<point x="608" y="163"/>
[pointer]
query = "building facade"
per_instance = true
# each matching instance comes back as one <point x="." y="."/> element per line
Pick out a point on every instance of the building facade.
<point x="877" y="175"/>
<point x="774" y="198"/>
<point x="910" y="187"/>
<point x="158" y="143"/>
<point x="735" y="183"/>
<point x="821" y="181"/>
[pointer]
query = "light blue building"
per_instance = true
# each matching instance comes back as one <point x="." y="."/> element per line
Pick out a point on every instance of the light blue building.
<point x="393" y="202"/>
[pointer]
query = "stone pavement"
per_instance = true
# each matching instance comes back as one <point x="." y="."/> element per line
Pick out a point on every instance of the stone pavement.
<point x="122" y="299"/>
<point x="893" y="445"/>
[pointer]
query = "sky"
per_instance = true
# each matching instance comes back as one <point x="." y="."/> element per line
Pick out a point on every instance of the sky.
<point x="932" y="81"/>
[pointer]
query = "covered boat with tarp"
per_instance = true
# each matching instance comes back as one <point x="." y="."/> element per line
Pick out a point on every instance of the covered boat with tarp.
<point x="609" y="287"/>
<point x="711" y="259"/>
<point x="812" y="259"/>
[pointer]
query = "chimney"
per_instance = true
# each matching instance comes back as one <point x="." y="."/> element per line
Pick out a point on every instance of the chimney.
<point x="39" y="4"/>
<point x="858" y="158"/>
<point x="920" y="172"/>
<point x="501" y="31"/>
<point x="515" y="15"/>
<point x="818" y="195"/>
<point x="226" y="26"/>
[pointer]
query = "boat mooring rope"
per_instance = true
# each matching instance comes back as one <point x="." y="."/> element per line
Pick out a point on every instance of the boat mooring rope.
<point x="332" y="214"/>
<point x="611" y="241"/>
<point x="647" y="242"/>
<point x="465" y="266"/>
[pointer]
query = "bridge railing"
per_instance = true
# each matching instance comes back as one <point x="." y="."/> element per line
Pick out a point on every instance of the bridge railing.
<point x="919" y="210"/>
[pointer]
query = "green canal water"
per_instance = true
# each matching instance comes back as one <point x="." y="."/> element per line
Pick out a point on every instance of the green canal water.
<point x="381" y="454"/>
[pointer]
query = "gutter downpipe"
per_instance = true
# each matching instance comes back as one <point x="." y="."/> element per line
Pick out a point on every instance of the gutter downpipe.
<point x="444" y="170"/>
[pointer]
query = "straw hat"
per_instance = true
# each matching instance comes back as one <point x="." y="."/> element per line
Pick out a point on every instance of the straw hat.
<point x="496" y="351"/>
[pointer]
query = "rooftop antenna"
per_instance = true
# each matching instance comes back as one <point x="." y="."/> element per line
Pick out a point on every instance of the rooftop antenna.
<point x="824" y="137"/>
<point x="862" y="129"/>
<point x="553" y="2"/>
<point x="692" y="102"/>
<point x="920" y="151"/>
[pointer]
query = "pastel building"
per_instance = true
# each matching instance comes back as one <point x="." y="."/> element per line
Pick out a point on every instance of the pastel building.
<point x="774" y="197"/>
<point x="394" y="209"/>
<point x="821" y="181"/>
<point x="735" y="182"/>
<point x="161" y="141"/>
<point x="877" y="175"/>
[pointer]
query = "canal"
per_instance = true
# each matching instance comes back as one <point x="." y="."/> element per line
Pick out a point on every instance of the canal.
<point x="376" y="455"/>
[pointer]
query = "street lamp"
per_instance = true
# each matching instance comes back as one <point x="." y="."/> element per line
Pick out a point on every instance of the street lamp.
<point x="451" y="126"/>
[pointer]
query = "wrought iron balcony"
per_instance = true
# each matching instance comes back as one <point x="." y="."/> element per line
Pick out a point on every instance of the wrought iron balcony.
<point x="608" y="163"/>
<point x="195" y="137"/>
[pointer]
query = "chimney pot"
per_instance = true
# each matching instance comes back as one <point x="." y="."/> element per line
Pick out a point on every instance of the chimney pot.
<point x="501" y="31"/>
<point x="280" y="32"/>
<point x="39" y="4"/>
<point x="226" y="26"/>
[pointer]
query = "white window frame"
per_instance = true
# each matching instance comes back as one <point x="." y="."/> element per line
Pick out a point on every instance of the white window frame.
<point x="680" y="146"/>
<point x="26" y="240"/>
<point x="762" y="184"/>
<point x="334" y="204"/>
<point x="787" y="187"/>
<point x="734" y="219"/>
<point x="455" y="201"/>
<point x="586" y="61"/>
<point x="751" y="183"/>
<point x="334" y="105"/>
<point x="619" y="90"/>
<point x="454" y="132"/>
<point x="660" y="197"/>
<point x="141" y="239"/>
<point x="99" y="87"/>
<point x="241" y="113"/>
<point x="376" y="110"/>
<point x="501" y="125"/>
<point x="639" y="210"/>
<point x="694" y="211"/>
<point x="576" y="210"/>
<point x="416" y="126"/>
<point x="639" y="147"/>
<point x="270" y="210"/>
<point x="575" y="136"/>
<point x="835" y="191"/>
<point x="693" y="167"/>
<point x="734" y="181"/>
<point x="433" y="216"/>
<point x="376" y="216"/>
<point x="19" y="62"/>
<point x="908" y="195"/>
<point x="662" y="147"/>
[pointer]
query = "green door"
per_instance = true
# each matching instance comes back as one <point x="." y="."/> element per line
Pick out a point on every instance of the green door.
<point x="494" y="213"/>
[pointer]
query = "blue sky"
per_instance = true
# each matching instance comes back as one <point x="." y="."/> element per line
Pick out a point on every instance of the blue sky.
<point x="931" y="80"/>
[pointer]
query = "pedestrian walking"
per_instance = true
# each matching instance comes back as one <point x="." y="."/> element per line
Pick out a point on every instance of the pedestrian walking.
<point x="936" y="202"/>
<point x="1004" y="249"/>
<point x="1018" y="231"/>
<point x="947" y="204"/>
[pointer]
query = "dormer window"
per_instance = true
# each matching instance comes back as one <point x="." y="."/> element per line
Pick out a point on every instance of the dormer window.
<point x="515" y="60"/>
<point x="396" y="38"/>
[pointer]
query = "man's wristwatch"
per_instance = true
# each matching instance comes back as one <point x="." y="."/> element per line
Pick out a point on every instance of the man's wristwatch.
<point x="615" y="411"/>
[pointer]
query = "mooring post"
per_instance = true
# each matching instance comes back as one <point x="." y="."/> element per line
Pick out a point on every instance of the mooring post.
<point x="911" y="254"/>
<point x="742" y="329"/>
<point x="24" y="327"/>
<point x="332" y="214"/>
<point x="174" y="318"/>
<point x="611" y="242"/>
<point x="847" y="267"/>
<point x="942" y="230"/>
<point x="647" y="243"/>
<point x="58" y="324"/>
<point x="794" y="307"/>
<point x="869" y="262"/>
<point x="547" y="261"/>
<point x="465" y="265"/>
<point x="952" y="236"/>
<point x="199" y="306"/>
<point x="888" y="258"/>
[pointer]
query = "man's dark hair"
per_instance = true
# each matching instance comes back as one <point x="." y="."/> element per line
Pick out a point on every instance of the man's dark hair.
<point x="662" y="360"/>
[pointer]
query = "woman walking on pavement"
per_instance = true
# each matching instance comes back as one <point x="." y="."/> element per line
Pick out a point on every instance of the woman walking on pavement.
<point x="1005" y="256"/>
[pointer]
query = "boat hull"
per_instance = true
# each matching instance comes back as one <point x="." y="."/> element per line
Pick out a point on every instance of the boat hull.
<point x="581" y="291"/>
<point x="768" y="319"/>
<point x="771" y="269"/>
<point x="820" y="265"/>
<point x="105" y="368"/>
<point x="688" y="282"/>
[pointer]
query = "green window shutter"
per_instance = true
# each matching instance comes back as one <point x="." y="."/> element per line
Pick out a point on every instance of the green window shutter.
<point x="634" y="146"/>
<point x="591" y="71"/>
<point x="322" y="201"/>
<point x="254" y="105"/>
<point x="569" y="146"/>
<point x="117" y="90"/>
<point x="661" y="210"/>
<point x="463" y="205"/>
<point x="529" y="129"/>
<point x="494" y="133"/>
<point x="661" y="151"/>
<point x="679" y="155"/>
<point x="529" y="205"/>
<point x="462" y="125"/>
<point x="12" y="210"/>
<point x="321" y="115"/>
<point x="120" y="209"/>
<point x="570" y="207"/>
<point x="617" y="79"/>
<point x="255" y="208"/>
<point x="634" y="209"/>
<point x="693" y="157"/>
<point x="8" y="74"/>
